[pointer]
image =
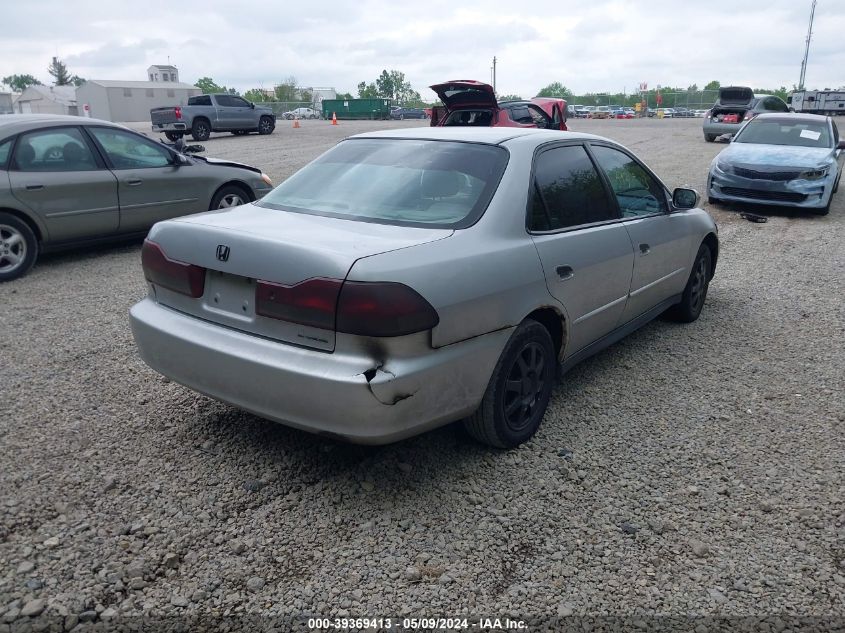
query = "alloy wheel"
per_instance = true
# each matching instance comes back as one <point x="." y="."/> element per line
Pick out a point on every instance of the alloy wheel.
<point x="12" y="248"/>
<point x="699" y="285"/>
<point x="230" y="200"/>
<point x="524" y="386"/>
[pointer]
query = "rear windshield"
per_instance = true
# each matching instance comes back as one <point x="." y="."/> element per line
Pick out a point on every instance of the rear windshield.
<point x="785" y="132"/>
<point x="407" y="182"/>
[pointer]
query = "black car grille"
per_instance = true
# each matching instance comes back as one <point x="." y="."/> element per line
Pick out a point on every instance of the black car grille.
<point x="779" y="196"/>
<point x="779" y="176"/>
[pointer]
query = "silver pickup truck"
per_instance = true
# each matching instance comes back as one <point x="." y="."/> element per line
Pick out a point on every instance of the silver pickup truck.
<point x="205" y="114"/>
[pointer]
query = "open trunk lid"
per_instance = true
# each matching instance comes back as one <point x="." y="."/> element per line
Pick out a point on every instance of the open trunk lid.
<point x="735" y="96"/>
<point x="242" y="246"/>
<point x="466" y="93"/>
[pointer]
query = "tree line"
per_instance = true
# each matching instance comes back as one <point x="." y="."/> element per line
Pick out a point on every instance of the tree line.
<point x="57" y="70"/>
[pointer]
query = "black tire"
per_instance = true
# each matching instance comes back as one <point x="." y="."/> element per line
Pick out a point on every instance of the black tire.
<point x="266" y="125"/>
<point x="173" y="136"/>
<point x="710" y="138"/>
<point x="712" y="200"/>
<point x="200" y="130"/>
<point x="836" y="184"/>
<point x="229" y="196"/>
<point x="18" y="247"/>
<point x="519" y="389"/>
<point x="695" y="292"/>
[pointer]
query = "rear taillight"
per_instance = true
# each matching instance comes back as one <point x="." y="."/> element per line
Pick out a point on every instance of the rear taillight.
<point x="312" y="302"/>
<point x="354" y="307"/>
<point x="178" y="112"/>
<point x="383" y="309"/>
<point x="186" y="279"/>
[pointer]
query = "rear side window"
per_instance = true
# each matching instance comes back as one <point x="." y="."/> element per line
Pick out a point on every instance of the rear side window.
<point x="5" y="148"/>
<point x="200" y="101"/>
<point x="567" y="191"/>
<point x="55" y="149"/>
<point x="406" y="182"/>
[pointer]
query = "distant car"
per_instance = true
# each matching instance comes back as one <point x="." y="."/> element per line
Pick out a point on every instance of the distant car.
<point x="682" y="113"/>
<point x="407" y="113"/>
<point x="473" y="103"/>
<point x="301" y="113"/>
<point x="69" y="180"/>
<point x="700" y="113"/>
<point x="667" y="113"/>
<point x="622" y="113"/>
<point x="651" y="112"/>
<point x="735" y="106"/>
<point x="581" y="111"/>
<point x="601" y="112"/>
<point x="781" y="159"/>
<point x="410" y="278"/>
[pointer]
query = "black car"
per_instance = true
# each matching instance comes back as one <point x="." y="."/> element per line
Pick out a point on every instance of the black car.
<point x="408" y="113"/>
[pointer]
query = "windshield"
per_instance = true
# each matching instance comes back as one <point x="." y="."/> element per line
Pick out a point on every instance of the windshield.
<point x="785" y="132"/>
<point x="396" y="181"/>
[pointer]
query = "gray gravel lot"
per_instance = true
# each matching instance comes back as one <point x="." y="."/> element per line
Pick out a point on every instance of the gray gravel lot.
<point x="687" y="469"/>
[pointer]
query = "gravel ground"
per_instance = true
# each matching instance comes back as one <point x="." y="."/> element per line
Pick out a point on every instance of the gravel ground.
<point x="690" y="469"/>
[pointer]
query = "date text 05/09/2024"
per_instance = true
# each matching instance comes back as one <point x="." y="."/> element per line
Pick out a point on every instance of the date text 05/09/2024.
<point x="417" y="624"/>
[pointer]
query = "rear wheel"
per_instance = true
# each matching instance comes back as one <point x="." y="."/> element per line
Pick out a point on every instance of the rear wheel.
<point x="266" y="125"/>
<point x="695" y="292"/>
<point x="709" y="137"/>
<point x="173" y="136"/>
<point x="519" y="389"/>
<point x="228" y="196"/>
<point x="18" y="247"/>
<point x="201" y="130"/>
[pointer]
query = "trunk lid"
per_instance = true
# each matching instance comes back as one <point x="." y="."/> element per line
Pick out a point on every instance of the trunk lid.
<point x="735" y="95"/>
<point x="271" y="245"/>
<point x="466" y="93"/>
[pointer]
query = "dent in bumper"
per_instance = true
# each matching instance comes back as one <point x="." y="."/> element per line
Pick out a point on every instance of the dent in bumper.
<point x="818" y="192"/>
<point x="353" y="396"/>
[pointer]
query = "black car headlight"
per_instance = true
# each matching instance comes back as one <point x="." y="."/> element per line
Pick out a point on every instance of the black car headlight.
<point x="814" y="174"/>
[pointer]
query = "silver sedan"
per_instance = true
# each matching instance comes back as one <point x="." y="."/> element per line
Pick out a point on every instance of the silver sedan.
<point x="410" y="278"/>
<point x="67" y="181"/>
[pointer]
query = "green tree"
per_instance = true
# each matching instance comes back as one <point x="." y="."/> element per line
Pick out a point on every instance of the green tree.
<point x="286" y="89"/>
<point x="510" y="98"/>
<point x="346" y="96"/>
<point x="207" y="85"/>
<point x="367" y="91"/>
<point x="19" y="83"/>
<point x="713" y="85"/>
<point x="77" y="81"/>
<point x="256" y="95"/>
<point x="555" y="89"/>
<point x="58" y="70"/>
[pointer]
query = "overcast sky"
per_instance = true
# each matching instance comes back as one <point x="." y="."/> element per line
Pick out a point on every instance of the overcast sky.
<point x="591" y="46"/>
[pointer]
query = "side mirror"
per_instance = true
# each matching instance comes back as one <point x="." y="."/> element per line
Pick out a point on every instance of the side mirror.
<point x="180" y="160"/>
<point x="841" y="144"/>
<point x="683" y="198"/>
<point x="252" y="105"/>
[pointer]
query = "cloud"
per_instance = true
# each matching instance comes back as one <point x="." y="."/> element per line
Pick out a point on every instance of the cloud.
<point x="602" y="45"/>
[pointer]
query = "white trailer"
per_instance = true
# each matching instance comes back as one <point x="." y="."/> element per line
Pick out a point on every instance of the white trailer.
<point x="830" y="102"/>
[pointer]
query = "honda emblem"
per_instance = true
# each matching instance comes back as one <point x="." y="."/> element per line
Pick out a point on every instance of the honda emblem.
<point x="222" y="252"/>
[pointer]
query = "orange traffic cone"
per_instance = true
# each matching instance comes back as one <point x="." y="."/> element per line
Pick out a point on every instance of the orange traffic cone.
<point x="334" y="118"/>
<point x="296" y="122"/>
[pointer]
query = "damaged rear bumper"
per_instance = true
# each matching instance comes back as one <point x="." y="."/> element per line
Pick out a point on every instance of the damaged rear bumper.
<point x="354" y="396"/>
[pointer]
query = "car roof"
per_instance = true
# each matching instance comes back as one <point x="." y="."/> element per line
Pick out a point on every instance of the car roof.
<point x="488" y="135"/>
<point x="794" y="116"/>
<point x="15" y="123"/>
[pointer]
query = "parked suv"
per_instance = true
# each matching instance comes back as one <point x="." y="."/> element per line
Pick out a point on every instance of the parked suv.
<point x="735" y="106"/>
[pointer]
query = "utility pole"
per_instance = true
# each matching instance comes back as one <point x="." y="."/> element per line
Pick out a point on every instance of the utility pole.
<point x="494" y="71"/>
<point x="807" y="49"/>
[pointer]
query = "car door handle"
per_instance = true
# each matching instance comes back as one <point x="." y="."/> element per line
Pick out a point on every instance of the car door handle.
<point x="133" y="182"/>
<point x="34" y="187"/>
<point x="645" y="249"/>
<point x="565" y="272"/>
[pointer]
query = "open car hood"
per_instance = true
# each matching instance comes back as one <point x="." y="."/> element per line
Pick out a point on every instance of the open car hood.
<point x="466" y="93"/>
<point x="735" y="95"/>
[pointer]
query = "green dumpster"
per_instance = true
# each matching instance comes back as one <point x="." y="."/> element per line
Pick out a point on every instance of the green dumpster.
<point x="371" y="109"/>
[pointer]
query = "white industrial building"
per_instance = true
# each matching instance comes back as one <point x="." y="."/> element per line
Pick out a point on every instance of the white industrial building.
<point x="47" y="100"/>
<point x="126" y="101"/>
